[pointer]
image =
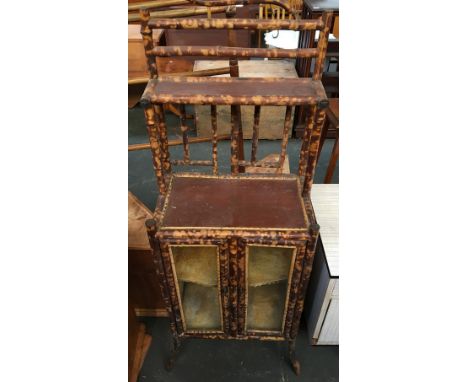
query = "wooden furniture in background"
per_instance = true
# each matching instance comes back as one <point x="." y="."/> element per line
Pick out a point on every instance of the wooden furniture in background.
<point x="331" y="121"/>
<point x="322" y="300"/>
<point x="144" y="293"/>
<point x="138" y="344"/>
<point x="234" y="252"/>
<point x="305" y="66"/>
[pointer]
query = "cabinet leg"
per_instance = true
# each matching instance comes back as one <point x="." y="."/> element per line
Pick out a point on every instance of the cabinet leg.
<point x="296" y="366"/>
<point x="174" y="351"/>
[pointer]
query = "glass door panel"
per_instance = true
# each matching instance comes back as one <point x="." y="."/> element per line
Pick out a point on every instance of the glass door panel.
<point x="197" y="276"/>
<point x="268" y="278"/>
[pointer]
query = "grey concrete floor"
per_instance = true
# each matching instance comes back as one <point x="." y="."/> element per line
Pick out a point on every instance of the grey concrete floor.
<point x="210" y="360"/>
<point x="246" y="361"/>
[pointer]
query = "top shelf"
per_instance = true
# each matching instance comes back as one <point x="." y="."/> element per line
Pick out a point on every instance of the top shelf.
<point x="235" y="91"/>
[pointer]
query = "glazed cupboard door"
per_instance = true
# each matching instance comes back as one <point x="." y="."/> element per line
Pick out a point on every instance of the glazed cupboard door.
<point x="268" y="281"/>
<point x="197" y="270"/>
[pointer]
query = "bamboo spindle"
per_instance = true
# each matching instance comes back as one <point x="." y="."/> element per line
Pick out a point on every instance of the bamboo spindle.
<point x="232" y="52"/>
<point x="312" y="157"/>
<point x="284" y="143"/>
<point x="157" y="4"/>
<point x="214" y="136"/>
<point x="162" y="129"/>
<point x="152" y="128"/>
<point x="184" y="129"/>
<point x="173" y="13"/>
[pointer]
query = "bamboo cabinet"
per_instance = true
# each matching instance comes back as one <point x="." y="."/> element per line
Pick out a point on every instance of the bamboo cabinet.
<point x="234" y="252"/>
<point x="234" y="270"/>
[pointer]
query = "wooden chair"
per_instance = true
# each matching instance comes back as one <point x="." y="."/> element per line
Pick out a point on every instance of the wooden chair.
<point x="332" y="120"/>
<point x="138" y="344"/>
<point x="216" y="222"/>
<point x="144" y="293"/>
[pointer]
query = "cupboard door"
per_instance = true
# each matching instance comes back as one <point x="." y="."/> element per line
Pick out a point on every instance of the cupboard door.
<point x="196" y="270"/>
<point x="267" y="281"/>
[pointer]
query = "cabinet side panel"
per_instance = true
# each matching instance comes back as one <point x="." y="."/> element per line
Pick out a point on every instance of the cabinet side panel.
<point x="295" y="282"/>
<point x="306" y="270"/>
<point x="173" y="296"/>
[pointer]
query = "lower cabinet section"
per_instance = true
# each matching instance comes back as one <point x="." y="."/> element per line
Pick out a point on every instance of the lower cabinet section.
<point x="232" y="287"/>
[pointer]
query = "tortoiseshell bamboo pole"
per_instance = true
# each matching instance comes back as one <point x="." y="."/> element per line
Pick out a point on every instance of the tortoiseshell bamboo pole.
<point x="147" y="35"/>
<point x="233" y="52"/>
<point x="152" y="128"/>
<point x="307" y="268"/>
<point x="255" y="24"/>
<point x="306" y="140"/>
<point x="192" y="162"/>
<point x="233" y="265"/>
<point x="234" y="142"/>
<point x="214" y="135"/>
<point x="162" y="129"/>
<point x="308" y="42"/>
<point x="281" y="3"/>
<point x="185" y="12"/>
<point x="241" y="287"/>
<point x="295" y="281"/>
<point x="257" y="164"/>
<point x="313" y="150"/>
<point x="255" y="134"/>
<point x="147" y="146"/>
<point x="156" y="4"/>
<point x="152" y="229"/>
<point x="322" y="44"/>
<point x="224" y="282"/>
<point x="284" y="142"/>
<point x="184" y="129"/>
<point x="236" y="109"/>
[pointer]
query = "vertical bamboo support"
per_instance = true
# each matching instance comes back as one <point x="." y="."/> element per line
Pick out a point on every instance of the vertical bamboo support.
<point x="319" y="120"/>
<point x="327" y="18"/>
<point x="284" y="142"/>
<point x="151" y="229"/>
<point x="234" y="142"/>
<point x="306" y="140"/>
<point x="255" y="134"/>
<point x="233" y="276"/>
<point x="306" y="270"/>
<point x="152" y="129"/>
<point x="184" y="129"/>
<point x="162" y="129"/>
<point x="260" y="16"/>
<point x="236" y="109"/>
<point x="214" y="131"/>
<point x="147" y="34"/>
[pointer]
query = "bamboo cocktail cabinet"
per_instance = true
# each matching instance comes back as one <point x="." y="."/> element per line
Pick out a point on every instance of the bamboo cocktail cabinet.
<point x="233" y="263"/>
<point x="234" y="252"/>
